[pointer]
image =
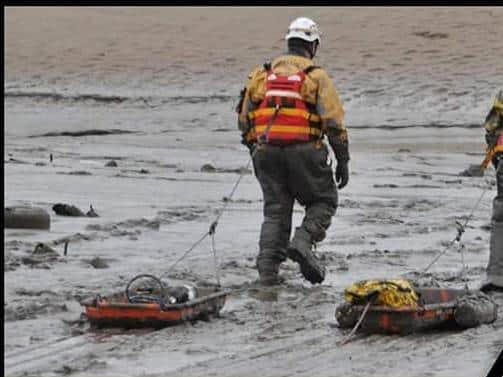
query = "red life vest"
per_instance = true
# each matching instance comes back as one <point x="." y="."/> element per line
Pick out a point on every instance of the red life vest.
<point x="292" y="122"/>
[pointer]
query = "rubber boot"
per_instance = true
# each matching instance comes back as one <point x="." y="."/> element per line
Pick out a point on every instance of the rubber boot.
<point x="495" y="266"/>
<point x="300" y="251"/>
<point x="268" y="270"/>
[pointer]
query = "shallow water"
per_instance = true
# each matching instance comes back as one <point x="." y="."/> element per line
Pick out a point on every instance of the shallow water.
<point x="416" y="84"/>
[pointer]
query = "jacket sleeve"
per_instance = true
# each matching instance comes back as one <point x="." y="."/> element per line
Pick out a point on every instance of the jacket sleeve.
<point x="251" y="95"/>
<point x="493" y="125"/>
<point x="329" y="107"/>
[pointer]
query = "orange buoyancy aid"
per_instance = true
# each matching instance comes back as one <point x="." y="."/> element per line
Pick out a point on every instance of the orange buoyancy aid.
<point x="283" y="117"/>
<point x="493" y="152"/>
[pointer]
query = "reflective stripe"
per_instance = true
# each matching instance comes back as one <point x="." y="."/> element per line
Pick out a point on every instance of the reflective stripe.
<point x="490" y="155"/>
<point x="282" y="93"/>
<point x="286" y="111"/>
<point x="289" y="129"/>
<point x="294" y="78"/>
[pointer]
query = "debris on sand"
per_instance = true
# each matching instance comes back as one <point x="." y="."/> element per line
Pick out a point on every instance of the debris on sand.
<point x="26" y="217"/>
<point x="67" y="210"/>
<point x="91" y="212"/>
<point x="43" y="249"/>
<point x="71" y="210"/>
<point x="208" y="168"/>
<point x="112" y="163"/>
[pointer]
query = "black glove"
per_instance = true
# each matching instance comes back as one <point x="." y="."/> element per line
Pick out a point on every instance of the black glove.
<point x="497" y="160"/>
<point x="491" y="139"/>
<point x="342" y="174"/>
<point x="248" y="144"/>
<point x="338" y="140"/>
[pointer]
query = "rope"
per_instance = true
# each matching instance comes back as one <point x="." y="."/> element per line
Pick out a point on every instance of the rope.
<point x="213" y="248"/>
<point x="186" y="253"/>
<point x="463" y="266"/>
<point x="213" y="226"/>
<point x="360" y="320"/>
<point x="460" y="228"/>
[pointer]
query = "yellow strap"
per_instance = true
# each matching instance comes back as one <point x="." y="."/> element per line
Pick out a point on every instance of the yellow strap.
<point x="490" y="155"/>
<point x="287" y="111"/>
<point x="289" y="129"/>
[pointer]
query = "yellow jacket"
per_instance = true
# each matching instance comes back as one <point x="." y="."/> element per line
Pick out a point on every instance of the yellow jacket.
<point x="318" y="89"/>
<point x="494" y="120"/>
<point x="494" y="130"/>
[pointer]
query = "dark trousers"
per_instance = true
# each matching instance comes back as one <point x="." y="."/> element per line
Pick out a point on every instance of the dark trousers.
<point x="495" y="265"/>
<point x="287" y="173"/>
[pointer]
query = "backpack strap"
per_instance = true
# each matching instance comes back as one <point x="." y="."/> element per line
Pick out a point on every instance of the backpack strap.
<point x="311" y="68"/>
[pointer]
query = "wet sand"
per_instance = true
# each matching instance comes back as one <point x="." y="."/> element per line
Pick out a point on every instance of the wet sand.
<point x="70" y="72"/>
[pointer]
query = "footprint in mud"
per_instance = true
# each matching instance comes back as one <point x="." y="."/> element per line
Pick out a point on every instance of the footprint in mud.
<point x="385" y="185"/>
<point x="183" y="214"/>
<point x="43" y="256"/>
<point x="30" y="310"/>
<point x="352" y="240"/>
<point x="379" y="218"/>
<point x="348" y="203"/>
<point x="75" y="172"/>
<point x="115" y="228"/>
<point x="420" y="175"/>
<point x="383" y="204"/>
<point x="421" y="205"/>
<point x="334" y="261"/>
<point x="98" y="262"/>
<point x="11" y="262"/>
<point x="85" y="364"/>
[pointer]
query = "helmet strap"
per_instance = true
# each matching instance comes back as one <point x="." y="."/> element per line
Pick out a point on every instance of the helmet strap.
<point x="314" y="48"/>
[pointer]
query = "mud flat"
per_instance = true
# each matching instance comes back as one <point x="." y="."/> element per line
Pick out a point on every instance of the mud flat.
<point x="126" y="93"/>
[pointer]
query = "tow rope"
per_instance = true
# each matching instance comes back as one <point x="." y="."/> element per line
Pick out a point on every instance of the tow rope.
<point x="213" y="226"/>
<point x="371" y="296"/>
<point x="457" y="239"/>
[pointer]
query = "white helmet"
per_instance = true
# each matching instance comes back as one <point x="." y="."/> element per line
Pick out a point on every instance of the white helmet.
<point x="304" y="28"/>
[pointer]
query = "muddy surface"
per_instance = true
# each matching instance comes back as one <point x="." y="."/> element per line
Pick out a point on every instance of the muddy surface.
<point x="415" y="94"/>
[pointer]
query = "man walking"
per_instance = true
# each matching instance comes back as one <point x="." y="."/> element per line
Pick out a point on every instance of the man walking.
<point x="494" y="138"/>
<point x="285" y="110"/>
